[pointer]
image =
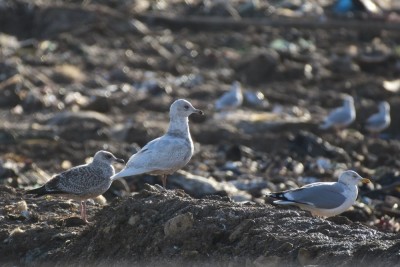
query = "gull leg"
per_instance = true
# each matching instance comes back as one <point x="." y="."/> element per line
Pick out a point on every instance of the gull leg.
<point x="81" y="208"/>
<point x="83" y="211"/>
<point x="164" y="180"/>
<point x="341" y="132"/>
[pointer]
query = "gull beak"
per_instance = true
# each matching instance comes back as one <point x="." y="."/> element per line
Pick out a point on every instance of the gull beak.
<point x="365" y="180"/>
<point x="198" y="111"/>
<point x="120" y="160"/>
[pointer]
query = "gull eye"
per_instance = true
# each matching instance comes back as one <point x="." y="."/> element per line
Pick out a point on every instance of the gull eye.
<point x="186" y="107"/>
<point x="108" y="156"/>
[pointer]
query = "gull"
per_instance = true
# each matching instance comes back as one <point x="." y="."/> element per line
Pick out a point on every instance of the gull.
<point x="341" y="117"/>
<point x="231" y="99"/>
<point x="324" y="199"/>
<point x="379" y="121"/>
<point x="82" y="182"/>
<point x="168" y="153"/>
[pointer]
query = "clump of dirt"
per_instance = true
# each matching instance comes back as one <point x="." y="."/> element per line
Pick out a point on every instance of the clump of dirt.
<point x="155" y="225"/>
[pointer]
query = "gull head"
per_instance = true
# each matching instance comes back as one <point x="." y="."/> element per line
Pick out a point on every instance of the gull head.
<point x="348" y="100"/>
<point x="183" y="108"/>
<point x="352" y="178"/>
<point x="384" y="106"/>
<point x="103" y="156"/>
<point x="236" y="86"/>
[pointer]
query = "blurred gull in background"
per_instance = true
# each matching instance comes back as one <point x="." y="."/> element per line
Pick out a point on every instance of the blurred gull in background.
<point x="379" y="121"/>
<point x="255" y="99"/>
<point x="341" y="117"/>
<point x="231" y="99"/>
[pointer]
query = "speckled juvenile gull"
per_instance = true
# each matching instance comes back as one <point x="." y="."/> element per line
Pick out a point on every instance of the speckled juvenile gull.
<point x="341" y="117"/>
<point x="231" y="99"/>
<point x="168" y="153"/>
<point x="324" y="199"/>
<point x="379" y="121"/>
<point x="82" y="182"/>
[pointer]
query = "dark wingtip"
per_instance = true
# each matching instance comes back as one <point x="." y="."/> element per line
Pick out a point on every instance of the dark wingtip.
<point x="280" y="196"/>
<point x="37" y="192"/>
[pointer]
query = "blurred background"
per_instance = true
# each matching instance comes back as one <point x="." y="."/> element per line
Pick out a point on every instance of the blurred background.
<point x="79" y="76"/>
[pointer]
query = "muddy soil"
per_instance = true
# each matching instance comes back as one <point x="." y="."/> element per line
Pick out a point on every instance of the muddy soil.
<point x="170" y="228"/>
<point x="79" y="76"/>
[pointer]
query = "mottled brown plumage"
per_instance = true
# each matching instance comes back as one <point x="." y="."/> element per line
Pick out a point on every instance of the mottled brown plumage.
<point x="82" y="182"/>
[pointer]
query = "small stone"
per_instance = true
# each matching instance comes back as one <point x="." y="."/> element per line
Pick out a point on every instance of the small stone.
<point x="98" y="103"/>
<point x="66" y="164"/>
<point x="178" y="224"/>
<point x="68" y="74"/>
<point x="133" y="219"/>
<point x="21" y="206"/>
<point x="238" y="231"/>
<point x="17" y="231"/>
<point x="100" y="200"/>
<point x="304" y="256"/>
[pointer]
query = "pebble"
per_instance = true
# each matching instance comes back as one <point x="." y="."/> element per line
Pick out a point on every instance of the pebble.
<point x="178" y="224"/>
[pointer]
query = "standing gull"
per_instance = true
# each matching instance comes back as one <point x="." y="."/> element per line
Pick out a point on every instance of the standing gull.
<point x="231" y="99"/>
<point x="379" y="121"/>
<point x="324" y="199"/>
<point x="82" y="182"/>
<point x="168" y="153"/>
<point x="341" y="117"/>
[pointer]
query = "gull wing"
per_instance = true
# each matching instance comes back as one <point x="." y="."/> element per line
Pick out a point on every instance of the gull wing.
<point x="320" y="195"/>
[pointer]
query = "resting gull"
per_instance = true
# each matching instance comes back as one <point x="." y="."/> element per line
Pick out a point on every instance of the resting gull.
<point x="324" y="199"/>
<point x="231" y="99"/>
<point x="82" y="182"/>
<point x="379" y="121"/>
<point x="341" y="117"/>
<point x="168" y="153"/>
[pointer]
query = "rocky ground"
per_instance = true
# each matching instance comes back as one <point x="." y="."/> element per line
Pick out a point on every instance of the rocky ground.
<point x="79" y="76"/>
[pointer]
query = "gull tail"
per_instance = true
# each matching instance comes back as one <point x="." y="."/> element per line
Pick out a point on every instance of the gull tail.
<point x="41" y="191"/>
<point x="281" y="198"/>
<point x="125" y="173"/>
<point x="325" y="125"/>
<point x="279" y="195"/>
<point x="37" y="191"/>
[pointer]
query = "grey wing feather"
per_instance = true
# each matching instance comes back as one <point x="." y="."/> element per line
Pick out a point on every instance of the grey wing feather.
<point x="74" y="181"/>
<point x="376" y="119"/>
<point x="226" y="100"/>
<point x="338" y="115"/>
<point x="161" y="154"/>
<point x="320" y="196"/>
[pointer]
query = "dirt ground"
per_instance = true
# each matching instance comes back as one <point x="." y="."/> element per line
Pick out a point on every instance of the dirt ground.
<point x="80" y="76"/>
